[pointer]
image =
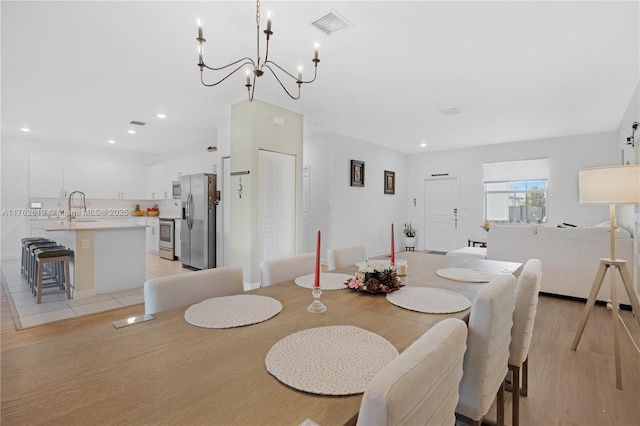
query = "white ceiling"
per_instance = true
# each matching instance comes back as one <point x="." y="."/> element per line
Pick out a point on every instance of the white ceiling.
<point x="79" y="72"/>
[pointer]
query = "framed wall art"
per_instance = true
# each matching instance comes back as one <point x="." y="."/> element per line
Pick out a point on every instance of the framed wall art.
<point x="389" y="182"/>
<point x="357" y="173"/>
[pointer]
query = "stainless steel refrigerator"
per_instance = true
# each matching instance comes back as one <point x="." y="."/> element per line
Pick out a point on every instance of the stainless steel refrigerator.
<point x="198" y="224"/>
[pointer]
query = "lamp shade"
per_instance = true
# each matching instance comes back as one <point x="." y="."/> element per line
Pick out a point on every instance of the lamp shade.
<point x="610" y="185"/>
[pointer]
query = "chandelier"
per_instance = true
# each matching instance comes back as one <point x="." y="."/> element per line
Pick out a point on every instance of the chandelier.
<point x="258" y="66"/>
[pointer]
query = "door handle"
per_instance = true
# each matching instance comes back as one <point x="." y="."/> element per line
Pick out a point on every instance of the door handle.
<point x="455" y="218"/>
<point x="190" y="204"/>
<point x="188" y="211"/>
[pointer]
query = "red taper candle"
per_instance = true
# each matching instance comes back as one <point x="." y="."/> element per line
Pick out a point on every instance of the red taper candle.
<point x="316" y="283"/>
<point x="393" y="251"/>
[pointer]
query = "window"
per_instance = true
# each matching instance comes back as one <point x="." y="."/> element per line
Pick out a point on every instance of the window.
<point x="516" y="201"/>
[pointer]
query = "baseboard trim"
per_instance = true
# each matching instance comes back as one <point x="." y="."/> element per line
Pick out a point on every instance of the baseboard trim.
<point x="623" y="306"/>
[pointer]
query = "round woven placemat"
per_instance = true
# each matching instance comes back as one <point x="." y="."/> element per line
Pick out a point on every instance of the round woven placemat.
<point x="429" y="300"/>
<point x="328" y="281"/>
<point x="232" y="311"/>
<point x="334" y="360"/>
<point x="466" y="274"/>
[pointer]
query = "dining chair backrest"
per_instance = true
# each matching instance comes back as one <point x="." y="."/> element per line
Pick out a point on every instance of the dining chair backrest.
<point x="527" y="289"/>
<point x="286" y="268"/>
<point x="345" y="256"/>
<point x="164" y="293"/>
<point x="420" y="386"/>
<point x="485" y="362"/>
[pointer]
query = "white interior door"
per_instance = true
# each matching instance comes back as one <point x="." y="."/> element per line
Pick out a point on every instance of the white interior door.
<point x="441" y="214"/>
<point x="277" y="204"/>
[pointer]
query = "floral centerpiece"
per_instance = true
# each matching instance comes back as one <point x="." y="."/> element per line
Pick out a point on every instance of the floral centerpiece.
<point x="486" y="225"/>
<point x="374" y="277"/>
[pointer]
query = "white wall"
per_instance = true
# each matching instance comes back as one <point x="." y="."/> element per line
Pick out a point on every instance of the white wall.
<point x="624" y="213"/>
<point x="632" y="113"/>
<point x="567" y="155"/>
<point x="349" y="215"/>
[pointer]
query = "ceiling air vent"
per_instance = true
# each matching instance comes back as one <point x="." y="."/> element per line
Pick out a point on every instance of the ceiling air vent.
<point x="330" y="23"/>
<point x="450" y="111"/>
<point x="137" y="123"/>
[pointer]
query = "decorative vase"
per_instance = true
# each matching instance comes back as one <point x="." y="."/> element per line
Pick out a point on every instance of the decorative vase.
<point x="409" y="242"/>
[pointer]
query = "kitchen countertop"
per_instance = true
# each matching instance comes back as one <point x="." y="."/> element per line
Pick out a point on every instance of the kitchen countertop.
<point x="83" y="225"/>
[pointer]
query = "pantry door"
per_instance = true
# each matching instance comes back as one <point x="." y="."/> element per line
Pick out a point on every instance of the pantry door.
<point x="277" y="192"/>
<point x="441" y="214"/>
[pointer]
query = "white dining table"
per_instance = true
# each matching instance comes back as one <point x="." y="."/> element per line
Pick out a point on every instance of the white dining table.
<point x="167" y="371"/>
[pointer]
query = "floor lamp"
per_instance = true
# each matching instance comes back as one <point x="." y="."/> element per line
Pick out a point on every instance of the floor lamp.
<point x="610" y="185"/>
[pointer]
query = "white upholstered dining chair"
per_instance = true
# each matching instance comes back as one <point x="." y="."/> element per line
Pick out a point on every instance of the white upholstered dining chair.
<point x="420" y="386"/>
<point x="527" y="289"/>
<point x="346" y="256"/>
<point x="485" y="362"/>
<point x="164" y="293"/>
<point x="286" y="268"/>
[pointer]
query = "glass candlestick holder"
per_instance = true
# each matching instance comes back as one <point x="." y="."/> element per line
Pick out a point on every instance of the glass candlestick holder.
<point x="316" y="307"/>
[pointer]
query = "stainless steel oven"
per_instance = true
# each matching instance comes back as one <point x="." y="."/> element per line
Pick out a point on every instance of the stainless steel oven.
<point x="167" y="239"/>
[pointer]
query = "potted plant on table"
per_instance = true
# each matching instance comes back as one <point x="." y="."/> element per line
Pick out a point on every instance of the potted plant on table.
<point x="409" y="237"/>
<point x="487" y="225"/>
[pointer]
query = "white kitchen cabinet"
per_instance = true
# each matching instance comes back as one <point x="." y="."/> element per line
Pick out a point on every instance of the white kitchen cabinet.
<point x="119" y="181"/>
<point x="159" y="178"/>
<point x="132" y="182"/>
<point x="153" y="235"/>
<point x="57" y="177"/>
<point x="78" y="176"/>
<point x="106" y="180"/>
<point x="46" y="177"/>
<point x="177" y="251"/>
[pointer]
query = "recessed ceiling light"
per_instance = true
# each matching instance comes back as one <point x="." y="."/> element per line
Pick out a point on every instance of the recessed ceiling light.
<point x="111" y="141"/>
<point x="423" y="144"/>
<point x="131" y="132"/>
<point x="161" y="115"/>
<point x="25" y="129"/>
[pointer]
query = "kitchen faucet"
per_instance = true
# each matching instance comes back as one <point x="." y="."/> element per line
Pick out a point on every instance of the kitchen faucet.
<point x="72" y="205"/>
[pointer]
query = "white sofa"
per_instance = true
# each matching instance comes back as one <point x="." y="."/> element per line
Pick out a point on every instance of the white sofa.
<point x="570" y="256"/>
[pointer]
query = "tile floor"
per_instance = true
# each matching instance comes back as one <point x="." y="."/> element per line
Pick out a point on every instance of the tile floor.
<point x="56" y="307"/>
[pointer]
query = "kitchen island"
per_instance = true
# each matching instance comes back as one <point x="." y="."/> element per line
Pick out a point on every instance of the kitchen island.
<point x="108" y="255"/>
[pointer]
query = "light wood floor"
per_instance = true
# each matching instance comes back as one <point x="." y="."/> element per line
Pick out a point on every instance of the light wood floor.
<point x="565" y="387"/>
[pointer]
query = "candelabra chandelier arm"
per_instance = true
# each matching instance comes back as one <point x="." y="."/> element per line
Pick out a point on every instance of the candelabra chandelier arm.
<point x="298" y="82"/>
<point x="257" y="66"/>
<point x="202" y="65"/>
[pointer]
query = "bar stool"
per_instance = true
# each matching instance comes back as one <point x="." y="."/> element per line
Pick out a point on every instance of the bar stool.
<point x="48" y="271"/>
<point x="25" y="253"/>
<point x="31" y="259"/>
<point x="56" y="261"/>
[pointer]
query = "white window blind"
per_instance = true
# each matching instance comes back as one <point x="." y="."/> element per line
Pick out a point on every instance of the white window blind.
<point x="516" y="170"/>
